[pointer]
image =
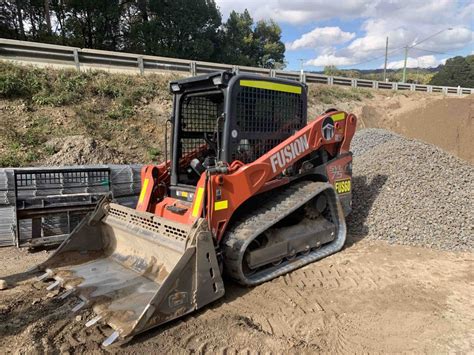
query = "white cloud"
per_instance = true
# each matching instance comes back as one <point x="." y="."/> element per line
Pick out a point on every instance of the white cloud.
<point x="321" y="37"/>
<point x="427" y="61"/>
<point x="297" y="11"/>
<point x="329" y="59"/>
<point x="404" y="22"/>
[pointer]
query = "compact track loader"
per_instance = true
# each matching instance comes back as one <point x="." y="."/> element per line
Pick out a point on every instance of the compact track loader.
<point x="251" y="190"/>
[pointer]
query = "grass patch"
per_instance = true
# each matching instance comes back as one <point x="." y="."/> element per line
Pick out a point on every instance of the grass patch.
<point x="334" y="94"/>
<point x="154" y="153"/>
<point x="51" y="87"/>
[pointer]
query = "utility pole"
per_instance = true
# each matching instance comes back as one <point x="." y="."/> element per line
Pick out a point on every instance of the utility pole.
<point x="405" y="65"/>
<point x="385" y="66"/>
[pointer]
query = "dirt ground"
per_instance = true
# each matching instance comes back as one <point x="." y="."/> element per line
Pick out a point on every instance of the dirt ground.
<point x="371" y="297"/>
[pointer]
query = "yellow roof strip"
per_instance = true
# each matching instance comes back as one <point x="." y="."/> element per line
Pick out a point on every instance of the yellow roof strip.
<point x="268" y="85"/>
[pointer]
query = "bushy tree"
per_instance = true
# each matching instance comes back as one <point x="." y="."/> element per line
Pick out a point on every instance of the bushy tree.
<point x="458" y="71"/>
<point x="246" y="43"/>
<point x="173" y="28"/>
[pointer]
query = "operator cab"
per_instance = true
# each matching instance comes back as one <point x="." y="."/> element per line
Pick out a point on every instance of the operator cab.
<point x="222" y="117"/>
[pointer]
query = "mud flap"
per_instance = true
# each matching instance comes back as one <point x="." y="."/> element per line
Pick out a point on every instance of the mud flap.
<point x="136" y="270"/>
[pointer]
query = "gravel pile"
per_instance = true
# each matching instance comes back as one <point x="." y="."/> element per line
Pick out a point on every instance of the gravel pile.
<point x="370" y="138"/>
<point x="410" y="192"/>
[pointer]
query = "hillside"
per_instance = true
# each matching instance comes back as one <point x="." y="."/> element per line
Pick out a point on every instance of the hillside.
<point x="64" y="117"/>
<point x="60" y="117"/>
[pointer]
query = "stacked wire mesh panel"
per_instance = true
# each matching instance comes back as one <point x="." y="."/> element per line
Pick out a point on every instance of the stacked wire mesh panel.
<point x="41" y="206"/>
<point x="7" y="207"/>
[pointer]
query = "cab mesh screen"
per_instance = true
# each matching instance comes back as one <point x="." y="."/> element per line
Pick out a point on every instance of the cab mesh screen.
<point x="199" y="113"/>
<point x="275" y="115"/>
<point x="198" y="116"/>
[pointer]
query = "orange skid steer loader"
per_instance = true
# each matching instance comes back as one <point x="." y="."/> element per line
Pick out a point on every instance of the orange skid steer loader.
<point x="251" y="189"/>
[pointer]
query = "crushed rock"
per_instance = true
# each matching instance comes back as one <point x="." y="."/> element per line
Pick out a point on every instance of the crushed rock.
<point x="410" y="192"/>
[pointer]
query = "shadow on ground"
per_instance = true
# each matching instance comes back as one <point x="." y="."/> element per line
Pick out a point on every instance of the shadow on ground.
<point x="364" y="194"/>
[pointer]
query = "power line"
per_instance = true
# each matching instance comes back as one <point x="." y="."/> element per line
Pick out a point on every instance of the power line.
<point x="372" y="59"/>
<point x="429" y="51"/>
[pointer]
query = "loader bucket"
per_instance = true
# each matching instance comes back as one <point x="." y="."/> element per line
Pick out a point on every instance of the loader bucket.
<point x="136" y="270"/>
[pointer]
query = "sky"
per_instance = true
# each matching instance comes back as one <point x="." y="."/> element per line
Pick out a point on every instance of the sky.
<point x="352" y="33"/>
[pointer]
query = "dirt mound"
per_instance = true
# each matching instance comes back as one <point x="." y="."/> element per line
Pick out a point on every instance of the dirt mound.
<point x="410" y="192"/>
<point x="445" y="122"/>
<point x="80" y="150"/>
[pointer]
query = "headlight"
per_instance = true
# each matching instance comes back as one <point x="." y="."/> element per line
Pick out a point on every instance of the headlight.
<point x="217" y="80"/>
<point x="175" y="87"/>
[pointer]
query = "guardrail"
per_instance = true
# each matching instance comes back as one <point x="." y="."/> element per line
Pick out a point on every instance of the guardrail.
<point x="84" y="58"/>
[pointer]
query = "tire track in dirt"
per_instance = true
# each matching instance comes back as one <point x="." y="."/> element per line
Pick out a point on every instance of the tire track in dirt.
<point x="314" y="306"/>
<point x="371" y="297"/>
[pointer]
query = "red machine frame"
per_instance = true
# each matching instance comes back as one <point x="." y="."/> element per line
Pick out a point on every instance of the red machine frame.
<point x="243" y="181"/>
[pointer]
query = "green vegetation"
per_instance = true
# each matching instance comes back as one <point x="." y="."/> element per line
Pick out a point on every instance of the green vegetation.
<point x="335" y="94"/>
<point x="179" y="28"/>
<point x="45" y="103"/>
<point x="457" y="71"/>
<point x="154" y="152"/>
<point x="65" y="87"/>
<point x="414" y="75"/>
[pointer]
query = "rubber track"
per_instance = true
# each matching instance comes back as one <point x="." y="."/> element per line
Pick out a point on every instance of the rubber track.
<point x="272" y="211"/>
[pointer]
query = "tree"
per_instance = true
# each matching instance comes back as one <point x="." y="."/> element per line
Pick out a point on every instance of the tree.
<point x="270" y="49"/>
<point x="237" y="39"/>
<point x="458" y="71"/>
<point x="244" y="43"/>
<point x="173" y="28"/>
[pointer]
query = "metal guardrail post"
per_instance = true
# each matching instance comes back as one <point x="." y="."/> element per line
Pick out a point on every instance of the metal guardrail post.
<point x="330" y="80"/>
<point x="375" y="84"/>
<point x="192" y="68"/>
<point x="141" y="67"/>
<point x="272" y="73"/>
<point x="394" y="86"/>
<point x="412" y="87"/>
<point x="235" y="69"/>
<point x="303" y="77"/>
<point x="459" y="90"/>
<point x="429" y="88"/>
<point x="76" y="59"/>
<point x="354" y="83"/>
<point x="444" y="90"/>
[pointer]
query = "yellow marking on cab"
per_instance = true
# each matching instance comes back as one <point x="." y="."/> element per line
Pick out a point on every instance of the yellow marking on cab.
<point x="143" y="192"/>
<point x="338" y="116"/>
<point x="268" y="85"/>
<point x="197" y="201"/>
<point x="221" y="205"/>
